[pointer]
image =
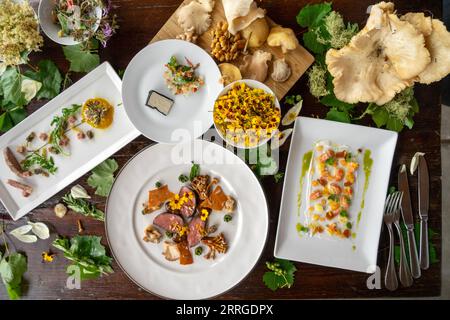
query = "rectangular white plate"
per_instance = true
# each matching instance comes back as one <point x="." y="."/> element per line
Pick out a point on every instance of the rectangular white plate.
<point x="360" y="253"/>
<point x="102" y="82"/>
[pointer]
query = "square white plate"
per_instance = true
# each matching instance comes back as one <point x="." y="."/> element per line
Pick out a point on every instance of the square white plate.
<point x="103" y="82"/>
<point x="359" y="253"/>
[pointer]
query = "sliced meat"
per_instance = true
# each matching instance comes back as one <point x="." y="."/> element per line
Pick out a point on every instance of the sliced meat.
<point x="185" y="253"/>
<point x="188" y="208"/>
<point x="196" y="231"/>
<point x="168" y="221"/>
<point x="26" y="189"/>
<point x="13" y="164"/>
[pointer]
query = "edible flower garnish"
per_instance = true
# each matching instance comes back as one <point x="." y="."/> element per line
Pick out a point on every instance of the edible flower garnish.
<point x="47" y="256"/>
<point x="204" y="214"/>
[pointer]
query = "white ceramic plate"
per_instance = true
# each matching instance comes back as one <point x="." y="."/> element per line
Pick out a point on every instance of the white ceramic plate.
<point x="85" y="155"/>
<point x="360" y="253"/>
<point x="251" y="84"/>
<point x="144" y="263"/>
<point x="51" y="29"/>
<point x="191" y="115"/>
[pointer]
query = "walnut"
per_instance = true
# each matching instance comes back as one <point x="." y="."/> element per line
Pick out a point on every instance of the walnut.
<point x="152" y="234"/>
<point x="224" y="45"/>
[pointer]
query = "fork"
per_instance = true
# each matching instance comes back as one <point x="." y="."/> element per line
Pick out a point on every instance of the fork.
<point x="404" y="273"/>
<point x="392" y="204"/>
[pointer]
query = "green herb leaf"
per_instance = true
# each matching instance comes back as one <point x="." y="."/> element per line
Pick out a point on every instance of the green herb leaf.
<point x="49" y="76"/>
<point x="102" y="177"/>
<point x="11" y="83"/>
<point x="12" y="268"/>
<point x="312" y="15"/>
<point x="80" y="58"/>
<point x="195" y="171"/>
<point x="336" y="115"/>
<point x="183" y="178"/>
<point x="41" y="161"/>
<point x="281" y="274"/>
<point x="330" y="100"/>
<point x="278" y="176"/>
<point x="83" y="207"/>
<point x="87" y="253"/>
<point x="311" y="43"/>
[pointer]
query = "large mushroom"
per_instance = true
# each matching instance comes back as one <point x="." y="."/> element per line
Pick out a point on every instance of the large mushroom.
<point x="384" y="58"/>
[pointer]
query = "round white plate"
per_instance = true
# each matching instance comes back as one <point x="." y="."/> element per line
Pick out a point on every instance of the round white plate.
<point x="191" y="115"/>
<point x="144" y="263"/>
<point x="51" y="29"/>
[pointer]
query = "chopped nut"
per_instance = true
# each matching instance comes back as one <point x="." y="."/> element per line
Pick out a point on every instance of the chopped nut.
<point x="43" y="136"/>
<point x="151" y="234"/>
<point x="81" y="135"/>
<point x="215" y="244"/>
<point x="30" y="137"/>
<point x="60" y="210"/>
<point x="201" y="185"/>
<point x="21" y="149"/>
<point x="90" y="134"/>
<point x="229" y="204"/>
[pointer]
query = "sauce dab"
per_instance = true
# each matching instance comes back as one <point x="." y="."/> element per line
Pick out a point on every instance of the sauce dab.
<point x="367" y="164"/>
<point x="306" y="162"/>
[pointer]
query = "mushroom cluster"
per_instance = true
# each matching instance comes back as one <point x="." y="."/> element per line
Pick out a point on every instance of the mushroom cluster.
<point x="388" y="55"/>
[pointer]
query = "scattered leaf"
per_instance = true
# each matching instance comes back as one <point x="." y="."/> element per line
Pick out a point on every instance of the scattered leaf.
<point x="102" y="177"/>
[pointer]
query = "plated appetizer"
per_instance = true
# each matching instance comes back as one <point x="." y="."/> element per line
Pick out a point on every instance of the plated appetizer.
<point x="184" y="222"/>
<point x="182" y="79"/>
<point x="37" y="159"/>
<point x="331" y="185"/>
<point x="246" y="116"/>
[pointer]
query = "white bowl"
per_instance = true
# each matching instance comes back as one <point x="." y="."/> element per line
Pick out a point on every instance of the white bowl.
<point x="51" y="29"/>
<point x="251" y="84"/>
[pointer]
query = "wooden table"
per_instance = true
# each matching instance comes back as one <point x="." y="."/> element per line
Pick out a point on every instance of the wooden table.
<point x="139" y="22"/>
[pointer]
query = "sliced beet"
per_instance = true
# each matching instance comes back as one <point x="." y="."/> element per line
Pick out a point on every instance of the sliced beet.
<point x="187" y="209"/>
<point x="196" y="229"/>
<point x="168" y="221"/>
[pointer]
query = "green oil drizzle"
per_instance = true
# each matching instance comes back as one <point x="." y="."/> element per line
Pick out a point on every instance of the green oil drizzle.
<point x="306" y="162"/>
<point x="367" y="166"/>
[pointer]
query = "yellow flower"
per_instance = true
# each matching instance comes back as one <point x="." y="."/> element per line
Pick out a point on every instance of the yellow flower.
<point x="204" y="214"/>
<point x="47" y="256"/>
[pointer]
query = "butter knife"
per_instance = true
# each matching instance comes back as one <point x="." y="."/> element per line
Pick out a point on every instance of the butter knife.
<point x="424" y="189"/>
<point x="408" y="219"/>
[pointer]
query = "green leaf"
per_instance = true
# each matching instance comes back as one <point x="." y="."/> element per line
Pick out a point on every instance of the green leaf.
<point x="394" y="124"/>
<point x="81" y="59"/>
<point x="336" y="115"/>
<point x="102" y="177"/>
<point x="311" y="43"/>
<point x="195" y="171"/>
<point x="87" y="253"/>
<point x="272" y="281"/>
<point x="278" y="177"/>
<point x="6" y="122"/>
<point x="63" y="23"/>
<point x="380" y="116"/>
<point x="11" y="83"/>
<point x="17" y="115"/>
<point x="312" y="15"/>
<point x="49" y="76"/>
<point x="281" y="274"/>
<point x="330" y="100"/>
<point x="12" y="268"/>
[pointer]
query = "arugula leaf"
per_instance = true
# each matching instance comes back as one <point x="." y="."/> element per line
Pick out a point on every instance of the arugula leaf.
<point x="40" y="160"/>
<point x="12" y="268"/>
<point x="312" y="15"/>
<point x="87" y="253"/>
<point x="281" y="274"/>
<point x="82" y="59"/>
<point x="50" y="77"/>
<point x="336" y="115"/>
<point x="11" y="83"/>
<point x="102" y="177"/>
<point x="84" y="207"/>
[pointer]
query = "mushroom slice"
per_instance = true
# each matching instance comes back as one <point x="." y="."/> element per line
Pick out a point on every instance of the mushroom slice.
<point x="380" y="61"/>
<point x="194" y="15"/>
<point x="255" y="66"/>
<point x="292" y="114"/>
<point x="151" y="234"/>
<point x="240" y="14"/>
<point x="171" y="251"/>
<point x="281" y="70"/>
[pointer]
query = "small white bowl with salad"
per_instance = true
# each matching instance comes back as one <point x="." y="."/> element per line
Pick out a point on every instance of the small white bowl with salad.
<point x="70" y="22"/>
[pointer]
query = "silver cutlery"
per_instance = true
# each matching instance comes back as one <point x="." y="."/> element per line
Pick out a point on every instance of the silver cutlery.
<point x="392" y="204"/>
<point x="424" y="188"/>
<point x="404" y="273"/>
<point x="408" y="219"/>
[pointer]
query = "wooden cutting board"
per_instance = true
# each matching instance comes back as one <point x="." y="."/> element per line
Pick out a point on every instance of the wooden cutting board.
<point x="299" y="59"/>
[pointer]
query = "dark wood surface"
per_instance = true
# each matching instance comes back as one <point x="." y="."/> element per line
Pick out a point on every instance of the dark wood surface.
<point x="139" y="21"/>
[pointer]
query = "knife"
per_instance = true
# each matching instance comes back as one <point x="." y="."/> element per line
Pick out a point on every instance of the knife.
<point x="424" y="188"/>
<point x="408" y="219"/>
